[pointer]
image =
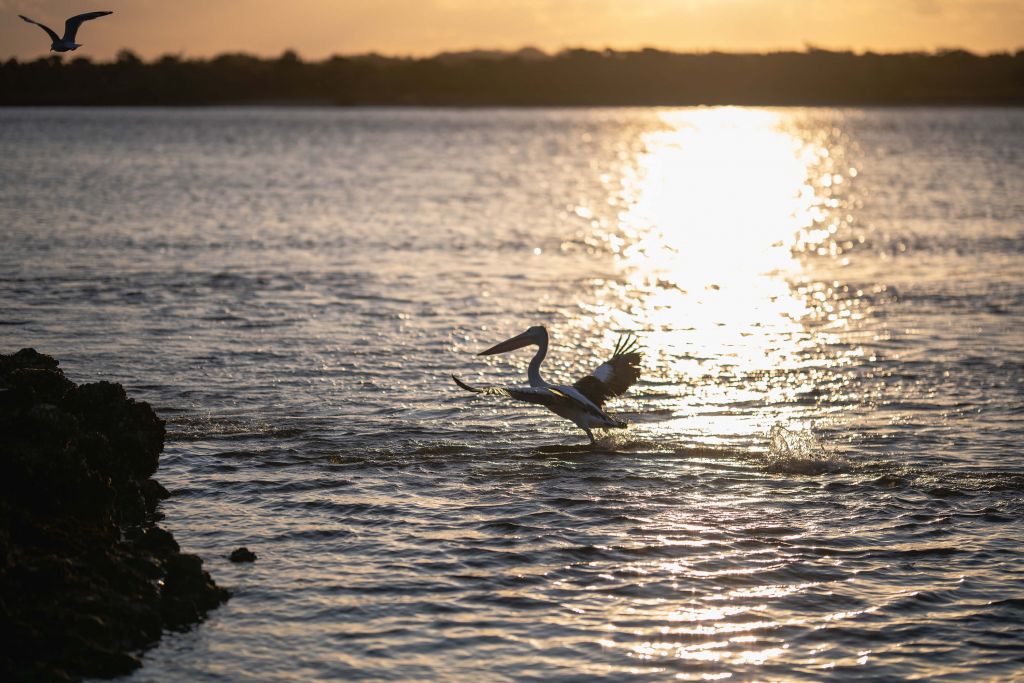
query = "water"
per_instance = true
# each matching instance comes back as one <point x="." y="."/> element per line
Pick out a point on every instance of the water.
<point x="823" y="477"/>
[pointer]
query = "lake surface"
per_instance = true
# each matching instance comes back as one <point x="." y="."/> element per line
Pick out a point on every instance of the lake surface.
<point x="824" y="474"/>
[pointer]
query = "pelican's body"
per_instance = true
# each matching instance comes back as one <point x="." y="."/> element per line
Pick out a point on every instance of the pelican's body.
<point x="581" y="403"/>
<point x="66" y="43"/>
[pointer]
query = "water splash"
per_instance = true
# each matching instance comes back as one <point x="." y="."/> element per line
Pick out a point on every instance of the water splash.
<point x="800" y="452"/>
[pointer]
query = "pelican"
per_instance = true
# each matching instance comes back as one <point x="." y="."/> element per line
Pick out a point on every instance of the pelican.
<point x="582" y="403"/>
<point x="67" y="43"/>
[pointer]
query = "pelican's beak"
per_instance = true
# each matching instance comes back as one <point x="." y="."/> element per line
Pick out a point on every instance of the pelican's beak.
<point x="518" y="342"/>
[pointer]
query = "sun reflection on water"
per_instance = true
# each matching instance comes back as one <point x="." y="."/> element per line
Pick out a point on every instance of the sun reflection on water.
<point x="717" y="211"/>
<point x="714" y="208"/>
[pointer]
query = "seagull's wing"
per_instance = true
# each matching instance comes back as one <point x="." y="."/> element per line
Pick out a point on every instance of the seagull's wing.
<point x="72" y="24"/>
<point x="541" y="395"/>
<point x="53" y="36"/>
<point x="614" y="376"/>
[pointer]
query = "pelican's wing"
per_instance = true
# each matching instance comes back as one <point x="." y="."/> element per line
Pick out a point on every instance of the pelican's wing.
<point x="53" y="36"/>
<point x="614" y="376"/>
<point x="72" y="24"/>
<point x="542" y="395"/>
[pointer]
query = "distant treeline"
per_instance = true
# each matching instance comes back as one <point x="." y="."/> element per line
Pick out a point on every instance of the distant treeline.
<point x="527" y="77"/>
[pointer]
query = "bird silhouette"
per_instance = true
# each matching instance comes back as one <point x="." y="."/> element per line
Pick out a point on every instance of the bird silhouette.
<point x="67" y="43"/>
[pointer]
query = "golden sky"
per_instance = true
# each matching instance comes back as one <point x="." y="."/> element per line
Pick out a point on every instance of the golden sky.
<point x="320" y="28"/>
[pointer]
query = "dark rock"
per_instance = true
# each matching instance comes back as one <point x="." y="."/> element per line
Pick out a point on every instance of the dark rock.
<point x="242" y="555"/>
<point x="188" y="592"/>
<point x="157" y="540"/>
<point x="87" y="578"/>
<point x="27" y="358"/>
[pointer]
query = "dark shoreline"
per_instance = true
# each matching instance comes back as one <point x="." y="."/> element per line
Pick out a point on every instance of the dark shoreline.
<point x="573" y="78"/>
<point x="88" y="579"/>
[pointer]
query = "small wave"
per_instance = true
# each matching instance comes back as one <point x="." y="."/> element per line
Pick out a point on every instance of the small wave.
<point x="192" y="427"/>
<point x="608" y="443"/>
<point x="800" y="453"/>
<point x="563" y="449"/>
<point x="627" y="440"/>
<point x="443" y="448"/>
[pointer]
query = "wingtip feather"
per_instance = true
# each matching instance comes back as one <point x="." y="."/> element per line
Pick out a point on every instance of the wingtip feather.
<point x="627" y="343"/>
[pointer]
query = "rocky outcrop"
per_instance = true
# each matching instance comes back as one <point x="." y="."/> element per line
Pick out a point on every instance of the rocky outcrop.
<point x="242" y="554"/>
<point x="87" y="578"/>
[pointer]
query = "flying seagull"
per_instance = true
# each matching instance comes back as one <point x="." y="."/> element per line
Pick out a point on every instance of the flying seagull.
<point x="583" y="402"/>
<point x="67" y="43"/>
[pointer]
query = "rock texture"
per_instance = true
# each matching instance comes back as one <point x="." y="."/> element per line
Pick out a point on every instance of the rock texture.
<point x="87" y="578"/>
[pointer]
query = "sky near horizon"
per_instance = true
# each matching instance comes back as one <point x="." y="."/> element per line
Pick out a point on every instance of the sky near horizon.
<point x="320" y="28"/>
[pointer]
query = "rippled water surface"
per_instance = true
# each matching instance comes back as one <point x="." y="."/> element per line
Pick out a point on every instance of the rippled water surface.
<point x="823" y="477"/>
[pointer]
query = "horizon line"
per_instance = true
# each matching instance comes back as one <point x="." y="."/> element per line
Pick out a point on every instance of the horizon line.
<point x="539" y="53"/>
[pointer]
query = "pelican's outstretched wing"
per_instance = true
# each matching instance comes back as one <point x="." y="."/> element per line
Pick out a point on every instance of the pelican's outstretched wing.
<point x="542" y="395"/>
<point x="53" y="36"/>
<point x="614" y="376"/>
<point x="72" y="24"/>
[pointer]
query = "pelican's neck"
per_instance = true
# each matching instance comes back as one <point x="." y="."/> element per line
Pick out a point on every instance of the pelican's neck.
<point x="534" y="372"/>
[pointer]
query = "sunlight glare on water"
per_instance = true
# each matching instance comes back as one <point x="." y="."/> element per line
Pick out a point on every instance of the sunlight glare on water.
<point x="713" y="206"/>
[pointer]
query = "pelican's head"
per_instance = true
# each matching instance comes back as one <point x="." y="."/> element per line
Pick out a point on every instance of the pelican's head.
<point x="537" y="334"/>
